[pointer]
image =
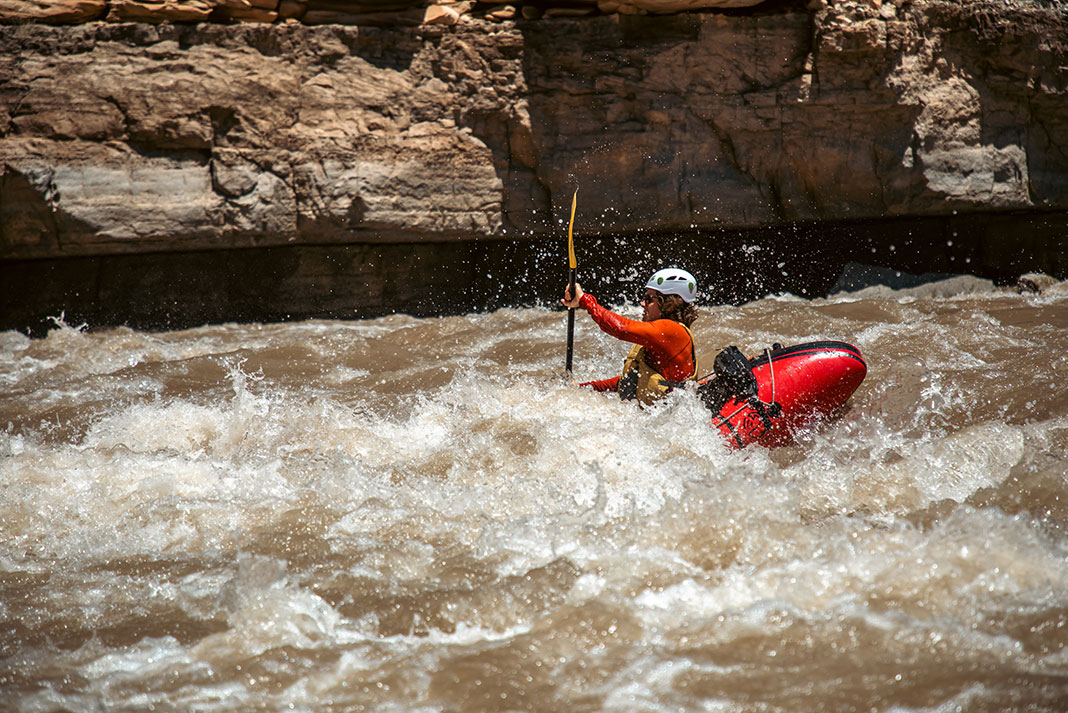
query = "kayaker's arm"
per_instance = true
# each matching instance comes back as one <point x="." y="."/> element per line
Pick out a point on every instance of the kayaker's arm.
<point x="603" y="384"/>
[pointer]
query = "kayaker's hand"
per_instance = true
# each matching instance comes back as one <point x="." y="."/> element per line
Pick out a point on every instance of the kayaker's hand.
<point x="568" y="301"/>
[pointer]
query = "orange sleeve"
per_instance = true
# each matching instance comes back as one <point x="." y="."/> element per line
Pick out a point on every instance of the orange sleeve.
<point x="668" y="347"/>
<point x="603" y="384"/>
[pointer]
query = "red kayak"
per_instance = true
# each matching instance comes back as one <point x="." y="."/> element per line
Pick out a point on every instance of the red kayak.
<point x="768" y="398"/>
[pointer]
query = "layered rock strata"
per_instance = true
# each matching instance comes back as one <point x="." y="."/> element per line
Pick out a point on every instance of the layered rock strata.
<point x="120" y="137"/>
<point x="251" y="162"/>
<point x="322" y="12"/>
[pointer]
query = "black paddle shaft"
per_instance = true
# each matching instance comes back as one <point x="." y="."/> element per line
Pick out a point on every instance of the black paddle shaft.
<point x="571" y="324"/>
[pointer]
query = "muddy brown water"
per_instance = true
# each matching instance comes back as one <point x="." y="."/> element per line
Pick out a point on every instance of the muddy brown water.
<point x="404" y="514"/>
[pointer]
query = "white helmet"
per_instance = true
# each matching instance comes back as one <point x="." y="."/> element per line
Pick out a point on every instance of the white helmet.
<point x="673" y="281"/>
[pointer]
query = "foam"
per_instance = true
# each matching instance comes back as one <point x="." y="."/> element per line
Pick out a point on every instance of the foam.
<point x="461" y="506"/>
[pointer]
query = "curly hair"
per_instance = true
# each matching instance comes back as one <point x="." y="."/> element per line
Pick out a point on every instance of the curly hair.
<point x="675" y="308"/>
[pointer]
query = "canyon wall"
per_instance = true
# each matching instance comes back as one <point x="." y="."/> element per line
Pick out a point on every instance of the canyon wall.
<point x="136" y="138"/>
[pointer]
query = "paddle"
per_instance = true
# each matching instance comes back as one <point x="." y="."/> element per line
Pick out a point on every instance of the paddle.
<point x="573" y="265"/>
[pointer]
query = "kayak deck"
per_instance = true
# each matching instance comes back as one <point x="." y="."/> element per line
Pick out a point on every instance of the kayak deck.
<point x="786" y="390"/>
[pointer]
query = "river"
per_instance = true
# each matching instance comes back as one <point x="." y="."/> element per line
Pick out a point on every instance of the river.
<point x="423" y="514"/>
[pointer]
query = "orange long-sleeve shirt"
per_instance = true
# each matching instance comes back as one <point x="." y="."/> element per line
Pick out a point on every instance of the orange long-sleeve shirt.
<point x="668" y="347"/>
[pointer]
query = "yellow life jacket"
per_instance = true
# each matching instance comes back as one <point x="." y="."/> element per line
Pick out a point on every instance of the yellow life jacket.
<point x="640" y="381"/>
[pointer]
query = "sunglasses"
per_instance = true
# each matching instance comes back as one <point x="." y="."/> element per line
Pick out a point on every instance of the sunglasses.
<point x="646" y="297"/>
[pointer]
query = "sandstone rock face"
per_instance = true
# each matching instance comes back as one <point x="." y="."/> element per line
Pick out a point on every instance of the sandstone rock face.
<point x="59" y="12"/>
<point x="323" y="12"/>
<point x="132" y="137"/>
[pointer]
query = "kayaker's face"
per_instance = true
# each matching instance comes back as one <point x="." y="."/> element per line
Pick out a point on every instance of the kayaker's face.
<point x="651" y="306"/>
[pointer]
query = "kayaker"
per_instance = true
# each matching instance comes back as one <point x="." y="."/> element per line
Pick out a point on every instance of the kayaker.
<point x="663" y="356"/>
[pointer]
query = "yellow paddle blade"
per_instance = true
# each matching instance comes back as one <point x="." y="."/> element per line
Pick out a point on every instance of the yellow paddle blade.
<point x="570" y="227"/>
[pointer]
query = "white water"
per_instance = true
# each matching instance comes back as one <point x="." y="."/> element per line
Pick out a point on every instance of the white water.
<point x="424" y="515"/>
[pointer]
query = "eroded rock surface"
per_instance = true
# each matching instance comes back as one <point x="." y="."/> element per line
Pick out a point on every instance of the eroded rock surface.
<point x="128" y="136"/>
<point x="322" y="12"/>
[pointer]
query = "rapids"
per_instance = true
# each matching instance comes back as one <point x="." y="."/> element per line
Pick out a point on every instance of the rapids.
<point x="404" y="514"/>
